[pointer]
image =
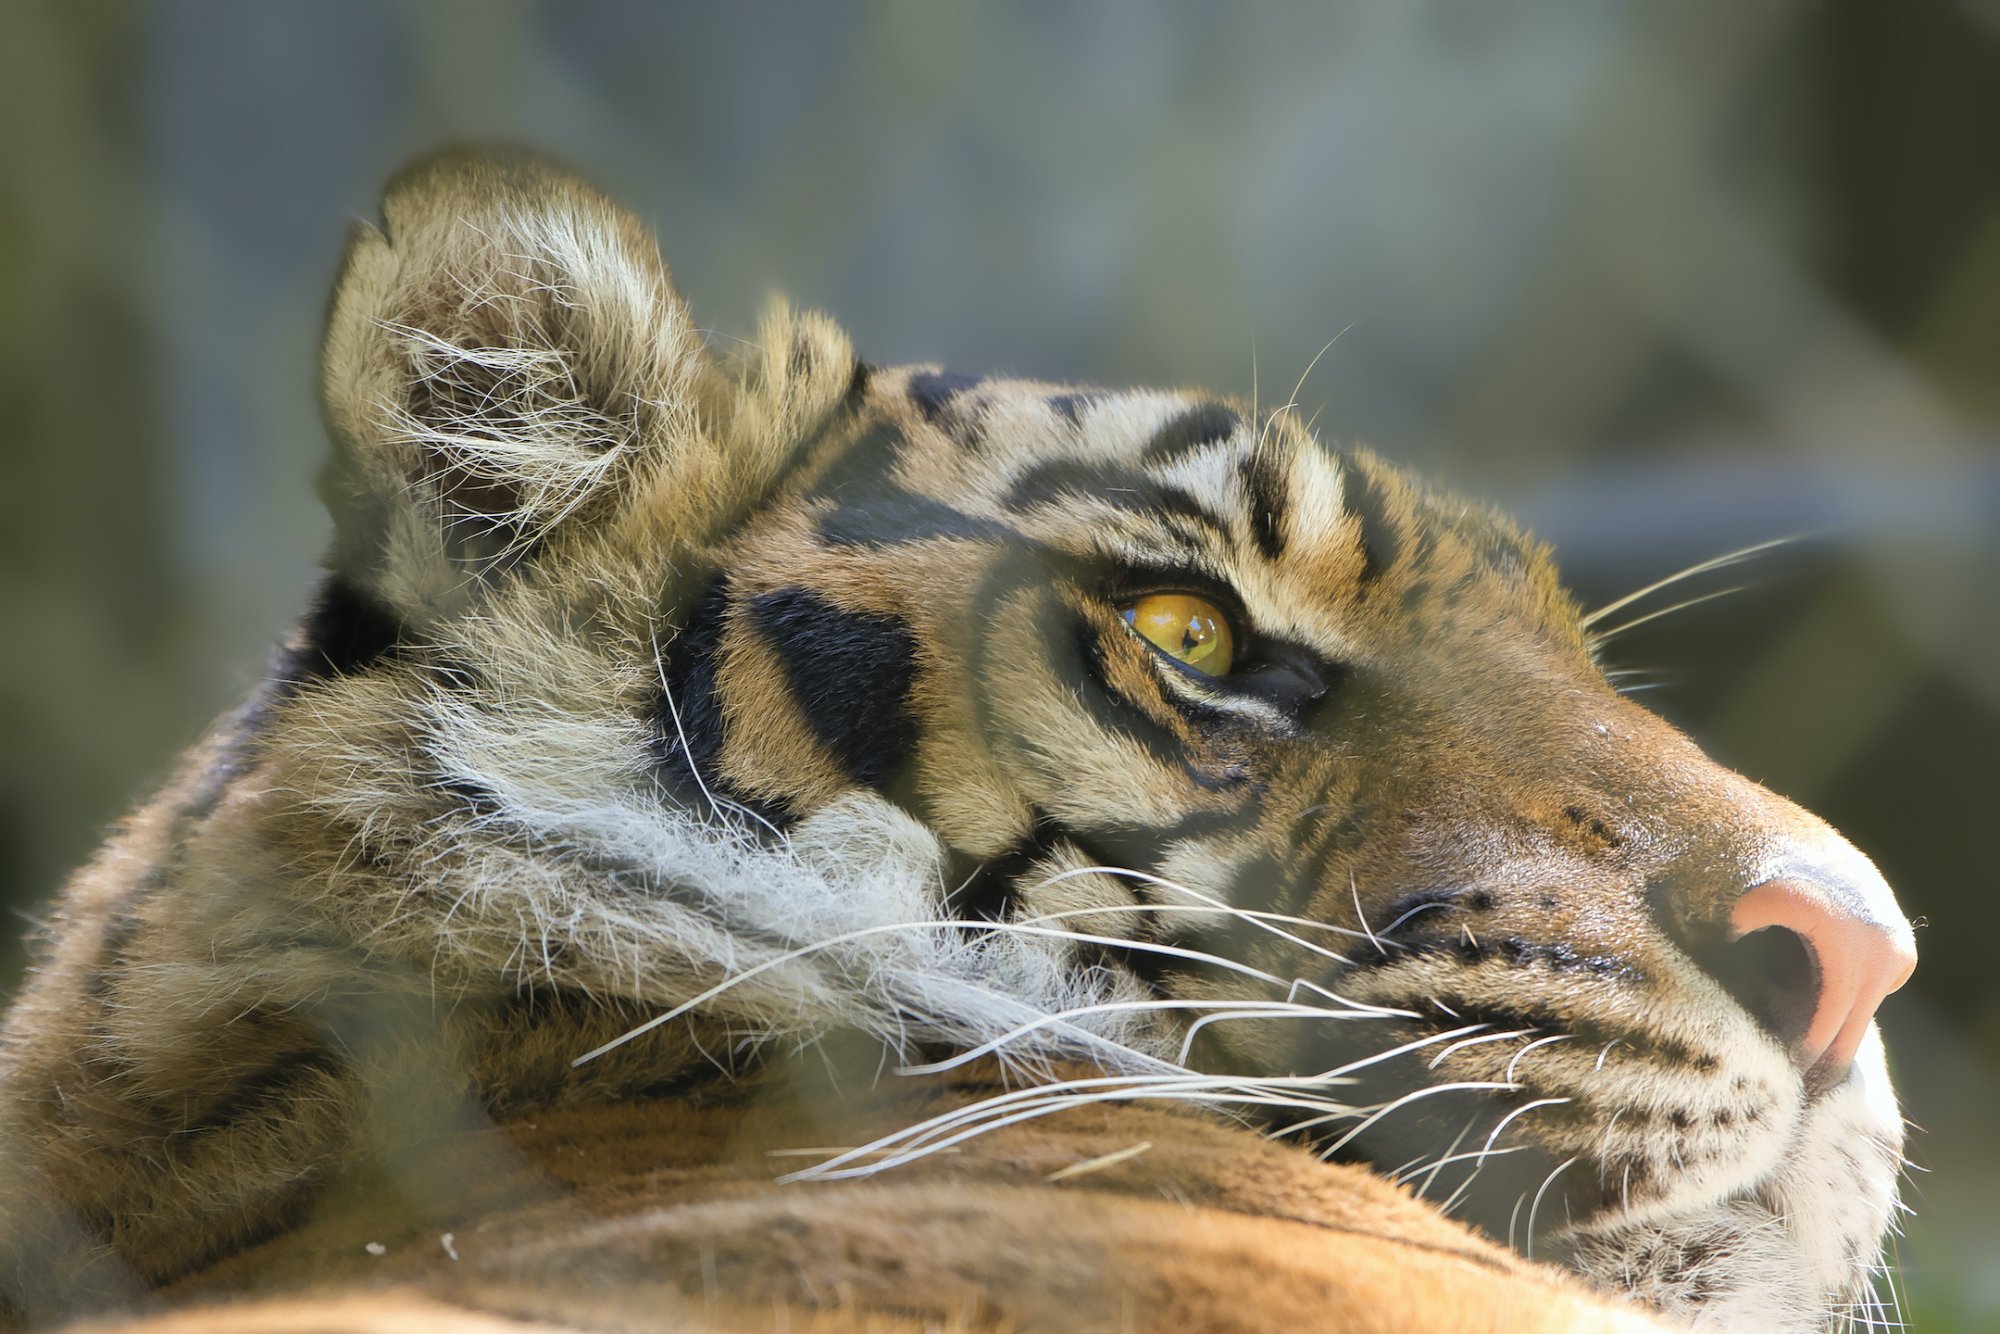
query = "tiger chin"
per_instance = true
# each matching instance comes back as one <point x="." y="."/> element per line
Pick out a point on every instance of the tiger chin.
<point x="671" y="710"/>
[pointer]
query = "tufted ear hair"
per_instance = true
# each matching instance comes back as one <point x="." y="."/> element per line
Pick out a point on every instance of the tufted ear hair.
<point x="501" y="355"/>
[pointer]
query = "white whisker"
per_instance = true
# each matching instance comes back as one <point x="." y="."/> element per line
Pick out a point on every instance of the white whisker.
<point x="1473" y="1042"/>
<point x="1390" y="929"/>
<point x="1534" y="1208"/>
<point x="1354" y="889"/>
<point x="1606" y="636"/>
<point x="1540" y="1042"/>
<point x="1231" y="1009"/>
<point x="862" y="933"/>
<point x="1699" y="568"/>
<point x="1375" y="1114"/>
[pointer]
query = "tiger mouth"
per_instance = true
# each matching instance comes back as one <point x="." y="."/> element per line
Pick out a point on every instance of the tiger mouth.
<point x="1585" y="1165"/>
<point x="1556" y="1121"/>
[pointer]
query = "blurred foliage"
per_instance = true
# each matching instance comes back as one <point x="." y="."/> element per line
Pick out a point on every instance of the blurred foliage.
<point x="1665" y="279"/>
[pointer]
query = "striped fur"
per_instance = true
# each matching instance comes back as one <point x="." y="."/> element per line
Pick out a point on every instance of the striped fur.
<point x="680" y="713"/>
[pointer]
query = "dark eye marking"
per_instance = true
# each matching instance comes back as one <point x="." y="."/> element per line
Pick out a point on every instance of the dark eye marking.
<point x="1110" y="708"/>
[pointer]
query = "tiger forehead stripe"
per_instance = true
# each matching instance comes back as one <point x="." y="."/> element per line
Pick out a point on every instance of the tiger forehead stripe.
<point x="1380" y="533"/>
<point x="1297" y="487"/>
<point x="1197" y="428"/>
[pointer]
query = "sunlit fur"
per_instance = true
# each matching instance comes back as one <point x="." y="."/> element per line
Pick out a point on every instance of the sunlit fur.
<point x="670" y="713"/>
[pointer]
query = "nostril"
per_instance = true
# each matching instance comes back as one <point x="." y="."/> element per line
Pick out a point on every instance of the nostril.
<point x="1825" y="965"/>
<point x="1772" y="973"/>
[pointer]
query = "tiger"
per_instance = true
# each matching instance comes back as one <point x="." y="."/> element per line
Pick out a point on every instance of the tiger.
<point x="1130" y="765"/>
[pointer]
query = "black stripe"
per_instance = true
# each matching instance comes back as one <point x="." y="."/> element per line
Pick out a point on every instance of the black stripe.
<point x="120" y="931"/>
<point x="1264" y="487"/>
<point x="344" y="632"/>
<point x="857" y="385"/>
<point x="1067" y="479"/>
<point x="688" y="721"/>
<point x="1070" y="407"/>
<point x="244" y="729"/>
<point x="934" y="390"/>
<point x="850" y="672"/>
<point x="1381" y="540"/>
<point x="1200" y="426"/>
<point x="991" y="891"/>
<point x="269" y="1093"/>
<point x="1513" y="951"/>
<point x="897" y="517"/>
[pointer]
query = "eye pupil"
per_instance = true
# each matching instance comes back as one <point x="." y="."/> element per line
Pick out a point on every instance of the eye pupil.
<point x="1186" y="627"/>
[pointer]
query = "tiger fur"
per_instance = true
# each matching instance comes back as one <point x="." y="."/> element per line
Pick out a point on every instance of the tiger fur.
<point x="662" y="716"/>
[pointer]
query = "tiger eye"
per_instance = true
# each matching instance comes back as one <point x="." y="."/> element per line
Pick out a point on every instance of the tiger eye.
<point x="1187" y="628"/>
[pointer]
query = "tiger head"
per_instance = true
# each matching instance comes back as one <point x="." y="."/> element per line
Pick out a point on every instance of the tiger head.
<point x="1181" y="739"/>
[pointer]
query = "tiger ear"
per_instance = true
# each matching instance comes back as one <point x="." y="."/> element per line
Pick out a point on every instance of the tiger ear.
<point x="500" y="355"/>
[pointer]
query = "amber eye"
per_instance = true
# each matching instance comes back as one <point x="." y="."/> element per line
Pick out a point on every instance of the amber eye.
<point x="1186" y="627"/>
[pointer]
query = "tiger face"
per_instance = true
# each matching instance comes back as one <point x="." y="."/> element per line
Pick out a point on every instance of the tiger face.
<point x="656" y="705"/>
<point x="1263" y="720"/>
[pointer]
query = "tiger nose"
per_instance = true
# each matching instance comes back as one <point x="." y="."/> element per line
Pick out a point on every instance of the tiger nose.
<point x="1854" y="955"/>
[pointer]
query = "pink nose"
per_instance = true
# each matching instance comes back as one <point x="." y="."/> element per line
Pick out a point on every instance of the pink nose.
<point x="1856" y="961"/>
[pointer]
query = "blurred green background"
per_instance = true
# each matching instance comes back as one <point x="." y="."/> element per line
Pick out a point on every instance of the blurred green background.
<point x="1664" y="279"/>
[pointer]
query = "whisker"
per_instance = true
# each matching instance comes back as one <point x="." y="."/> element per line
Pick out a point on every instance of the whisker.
<point x="1473" y="1042"/>
<point x="990" y="1114"/>
<point x="1390" y="929"/>
<point x="1373" y="1115"/>
<point x="1520" y="1111"/>
<point x="983" y="1117"/>
<point x="687" y="751"/>
<point x="1438" y="1164"/>
<point x="1539" y="1042"/>
<point x="1290" y="1012"/>
<point x="1606" y="636"/>
<point x="1699" y="568"/>
<point x="1237" y="1009"/>
<point x="1263" y="920"/>
<point x="1354" y="888"/>
<point x="1534" y="1208"/>
<point x="1305" y="375"/>
<point x="1476" y="1156"/>
<point x="737" y="979"/>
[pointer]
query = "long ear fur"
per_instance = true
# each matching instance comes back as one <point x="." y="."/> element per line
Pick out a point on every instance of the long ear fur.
<point x="500" y="355"/>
